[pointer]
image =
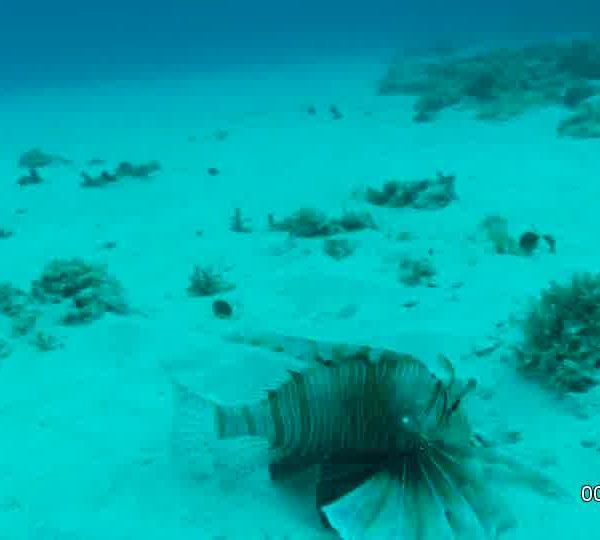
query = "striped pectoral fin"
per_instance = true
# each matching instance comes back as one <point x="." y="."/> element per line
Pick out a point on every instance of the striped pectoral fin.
<point x="341" y="475"/>
<point x="284" y="466"/>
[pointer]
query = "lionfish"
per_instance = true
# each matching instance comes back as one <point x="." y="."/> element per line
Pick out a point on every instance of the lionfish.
<point x="396" y="456"/>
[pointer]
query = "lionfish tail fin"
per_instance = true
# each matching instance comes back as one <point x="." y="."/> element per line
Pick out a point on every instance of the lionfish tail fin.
<point x="207" y="435"/>
<point x="194" y="412"/>
<point x="192" y="428"/>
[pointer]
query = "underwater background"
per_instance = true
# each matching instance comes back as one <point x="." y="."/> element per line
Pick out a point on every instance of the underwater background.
<point x="201" y="201"/>
<point x="72" y="41"/>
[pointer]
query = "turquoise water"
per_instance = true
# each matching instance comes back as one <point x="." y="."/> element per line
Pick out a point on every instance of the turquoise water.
<point x="195" y="200"/>
<point x="66" y="41"/>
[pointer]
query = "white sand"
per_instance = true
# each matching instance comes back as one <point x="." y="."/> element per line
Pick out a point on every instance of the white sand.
<point x="85" y="448"/>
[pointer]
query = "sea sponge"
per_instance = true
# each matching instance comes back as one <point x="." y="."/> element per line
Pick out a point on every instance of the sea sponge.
<point x="561" y="335"/>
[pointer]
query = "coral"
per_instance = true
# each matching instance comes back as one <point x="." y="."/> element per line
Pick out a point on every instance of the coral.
<point x="413" y="272"/>
<point x="44" y="342"/>
<point x="123" y="170"/>
<point x="584" y="123"/>
<point x="581" y="59"/>
<point x="12" y="300"/>
<point x="577" y="93"/>
<point x="85" y="290"/>
<point x="428" y="105"/>
<point x="496" y="231"/>
<point x="36" y="158"/>
<point x="5" y="349"/>
<point x="143" y="170"/>
<point x="17" y="305"/>
<point x="206" y="281"/>
<point x="561" y="335"/>
<point x="24" y="322"/>
<point x="305" y="223"/>
<point x="311" y="223"/>
<point x="100" y="180"/>
<point x="351" y="221"/>
<point x="498" y="84"/>
<point x="238" y="222"/>
<point x="5" y="233"/>
<point x="428" y="194"/>
<point x="81" y="292"/>
<point x="32" y="177"/>
<point x="338" y="248"/>
<point x="335" y="113"/>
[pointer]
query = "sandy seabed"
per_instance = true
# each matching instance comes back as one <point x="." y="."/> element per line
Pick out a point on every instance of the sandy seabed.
<point x="85" y="452"/>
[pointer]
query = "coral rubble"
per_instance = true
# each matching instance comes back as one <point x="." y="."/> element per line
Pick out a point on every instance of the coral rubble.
<point x="499" y="84"/>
